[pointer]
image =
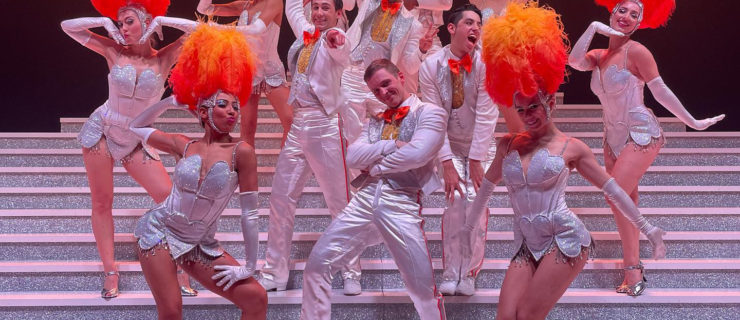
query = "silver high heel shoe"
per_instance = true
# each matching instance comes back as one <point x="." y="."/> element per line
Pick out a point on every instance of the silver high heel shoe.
<point x="637" y="288"/>
<point x="186" y="291"/>
<point x="110" y="293"/>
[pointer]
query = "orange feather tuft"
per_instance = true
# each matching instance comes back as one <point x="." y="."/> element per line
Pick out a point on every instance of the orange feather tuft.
<point x="212" y="59"/>
<point x="525" y="51"/>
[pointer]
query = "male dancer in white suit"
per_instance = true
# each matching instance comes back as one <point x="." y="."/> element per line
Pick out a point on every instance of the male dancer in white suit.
<point x="454" y="78"/>
<point x="315" y="143"/>
<point x="396" y="152"/>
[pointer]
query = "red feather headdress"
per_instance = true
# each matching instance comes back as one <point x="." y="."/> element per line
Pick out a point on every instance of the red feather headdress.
<point x="525" y="52"/>
<point x="213" y="59"/>
<point x="655" y="13"/>
<point x="111" y="8"/>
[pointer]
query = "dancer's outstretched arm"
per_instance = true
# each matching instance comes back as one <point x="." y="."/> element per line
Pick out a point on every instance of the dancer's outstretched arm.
<point x="586" y="164"/>
<point x="171" y="143"/>
<point x="490" y="180"/>
<point x="647" y="69"/>
<point x="246" y="167"/>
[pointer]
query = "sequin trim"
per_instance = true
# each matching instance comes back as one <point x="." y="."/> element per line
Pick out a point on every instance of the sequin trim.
<point x="524" y="257"/>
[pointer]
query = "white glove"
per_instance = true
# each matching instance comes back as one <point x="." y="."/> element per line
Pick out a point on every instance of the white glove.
<point x="250" y="230"/>
<point x="141" y="124"/>
<point x="78" y="29"/>
<point x="184" y="25"/>
<point x="480" y="204"/>
<point x="250" y="227"/>
<point x="624" y="204"/>
<point x="230" y="275"/>
<point x="667" y="99"/>
<point x="577" y="58"/>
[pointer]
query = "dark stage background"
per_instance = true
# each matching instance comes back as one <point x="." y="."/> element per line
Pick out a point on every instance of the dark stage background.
<point x="46" y="75"/>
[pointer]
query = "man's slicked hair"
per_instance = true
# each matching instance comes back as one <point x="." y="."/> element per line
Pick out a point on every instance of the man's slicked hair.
<point x="457" y="13"/>
<point x="338" y="4"/>
<point x="380" y="64"/>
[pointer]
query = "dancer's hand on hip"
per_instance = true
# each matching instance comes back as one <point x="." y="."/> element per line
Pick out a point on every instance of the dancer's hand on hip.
<point x="230" y="275"/>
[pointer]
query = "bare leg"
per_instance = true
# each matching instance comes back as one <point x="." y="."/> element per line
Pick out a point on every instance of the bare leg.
<point x="159" y="271"/>
<point x="278" y="98"/>
<point x="517" y="279"/>
<point x="550" y="280"/>
<point x="248" y="121"/>
<point x="152" y="175"/>
<point x="627" y="170"/>
<point x="247" y="294"/>
<point x="99" y="167"/>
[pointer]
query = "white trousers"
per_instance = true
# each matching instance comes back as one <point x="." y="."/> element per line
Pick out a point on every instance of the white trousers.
<point x="377" y="214"/>
<point x="314" y="144"/>
<point x="456" y="241"/>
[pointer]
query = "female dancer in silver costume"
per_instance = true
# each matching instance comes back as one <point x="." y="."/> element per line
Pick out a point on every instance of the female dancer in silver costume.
<point x="136" y="80"/>
<point x="551" y="243"/>
<point x="269" y="78"/>
<point x="212" y="75"/>
<point x="632" y="134"/>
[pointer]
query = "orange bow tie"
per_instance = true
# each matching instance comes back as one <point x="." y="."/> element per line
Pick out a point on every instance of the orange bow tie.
<point x="466" y="62"/>
<point x="311" y="38"/>
<point x="392" y="8"/>
<point x="395" y="114"/>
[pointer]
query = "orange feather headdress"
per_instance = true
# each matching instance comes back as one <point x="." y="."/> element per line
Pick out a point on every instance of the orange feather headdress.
<point x="213" y="59"/>
<point x="111" y="8"/>
<point x="655" y="13"/>
<point x="525" y="52"/>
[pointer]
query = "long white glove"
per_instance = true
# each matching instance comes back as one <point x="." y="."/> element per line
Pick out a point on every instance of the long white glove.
<point x="141" y="124"/>
<point x="184" y="25"/>
<point x="480" y="204"/>
<point x="577" y="58"/>
<point x="250" y="230"/>
<point x="205" y="7"/>
<point x="78" y="29"/>
<point x="624" y="204"/>
<point x="477" y="209"/>
<point x="667" y="99"/>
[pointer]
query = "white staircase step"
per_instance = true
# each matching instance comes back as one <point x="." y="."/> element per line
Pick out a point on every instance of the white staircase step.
<point x="571" y="296"/>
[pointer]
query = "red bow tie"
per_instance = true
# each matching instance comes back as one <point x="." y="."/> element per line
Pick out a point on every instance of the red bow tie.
<point x="466" y="62"/>
<point x="395" y="114"/>
<point x="386" y="5"/>
<point x="311" y="38"/>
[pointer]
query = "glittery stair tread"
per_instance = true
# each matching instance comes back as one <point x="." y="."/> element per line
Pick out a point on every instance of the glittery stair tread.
<point x="267" y="190"/>
<point x="51" y="213"/>
<point x="270" y="169"/>
<point x="571" y="296"/>
<point x="313" y="236"/>
<point x="47" y="267"/>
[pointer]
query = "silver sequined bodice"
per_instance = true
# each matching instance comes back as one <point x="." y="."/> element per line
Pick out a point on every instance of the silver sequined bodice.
<point x="625" y="114"/>
<point x="188" y="216"/>
<point x="195" y="208"/>
<point x="128" y="95"/>
<point x="538" y="199"/>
